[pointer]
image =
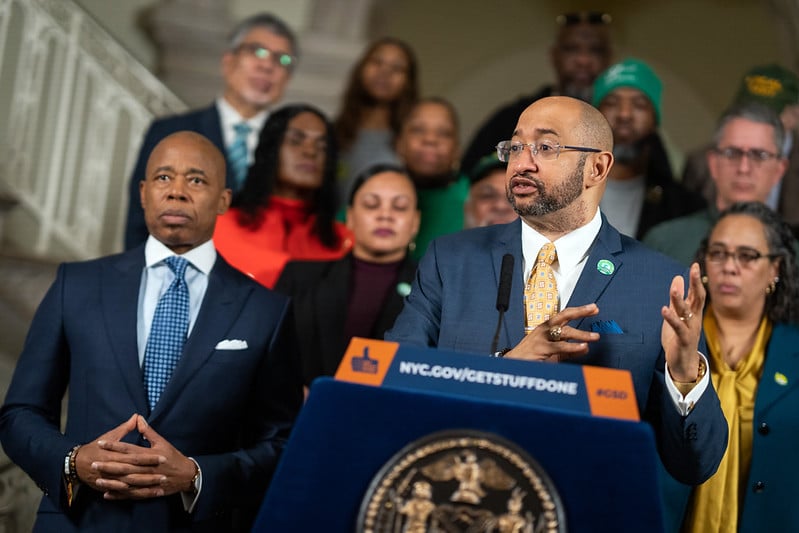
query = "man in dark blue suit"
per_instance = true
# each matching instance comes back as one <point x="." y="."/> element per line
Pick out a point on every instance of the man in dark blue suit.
<point x="200" y="457"/>
<point x="256" y="67"/>
<point x="621" y="312"/>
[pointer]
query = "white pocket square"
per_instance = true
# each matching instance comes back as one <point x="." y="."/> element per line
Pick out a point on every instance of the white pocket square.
<point x="231" y="344"/>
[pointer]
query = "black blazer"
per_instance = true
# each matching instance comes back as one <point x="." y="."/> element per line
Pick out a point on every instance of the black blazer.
<point x="319" y="291"/>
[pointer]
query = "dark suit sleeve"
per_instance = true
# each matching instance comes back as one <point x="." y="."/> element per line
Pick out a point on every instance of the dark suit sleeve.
<point x="30" y="418"/>
<point x="419" y="322"/>
<point x="691" y="447"/>
<point x="238" y="479"/>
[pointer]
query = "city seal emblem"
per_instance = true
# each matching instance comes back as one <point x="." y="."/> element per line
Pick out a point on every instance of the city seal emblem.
<point x="461" y="480"/>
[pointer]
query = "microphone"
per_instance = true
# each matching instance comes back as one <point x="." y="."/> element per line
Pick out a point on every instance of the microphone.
<point x="503" y="296"/>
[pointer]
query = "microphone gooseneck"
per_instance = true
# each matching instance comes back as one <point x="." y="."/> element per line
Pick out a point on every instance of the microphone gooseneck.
<point x="503" y="295"/>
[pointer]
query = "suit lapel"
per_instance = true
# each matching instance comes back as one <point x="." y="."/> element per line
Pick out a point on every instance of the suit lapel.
<point x="509" y="241"/>
<point x="330" y="309"/>
<point x="781" y="371"/>
<point x="120" y="286"/>
<point x="395" y="300"/>
<point x="212" y="127"/>
<point x="594" y="280"/>
<point x="223" y="298"/>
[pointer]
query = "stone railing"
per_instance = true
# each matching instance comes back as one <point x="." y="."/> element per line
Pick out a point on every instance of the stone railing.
<point x="73" y="108"/>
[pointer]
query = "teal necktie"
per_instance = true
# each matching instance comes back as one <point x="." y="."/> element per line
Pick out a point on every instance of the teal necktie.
<point x="237" y="155"/>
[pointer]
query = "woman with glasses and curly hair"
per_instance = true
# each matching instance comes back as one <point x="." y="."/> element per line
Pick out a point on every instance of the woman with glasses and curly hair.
<point x="286" y="208"/>
<point x="752" y="281"/>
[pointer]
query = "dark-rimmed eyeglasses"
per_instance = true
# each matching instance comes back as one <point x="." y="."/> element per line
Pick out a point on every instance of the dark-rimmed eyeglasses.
<point x="587" y="17"/>
<point x="744" y="257"/>
<point x="733" y="154"/>
<point x="261" y="52"/>
<point x="509" y="150"/>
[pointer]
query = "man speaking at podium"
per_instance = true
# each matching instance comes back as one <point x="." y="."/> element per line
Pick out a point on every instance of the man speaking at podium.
<point x="580" y="291"/>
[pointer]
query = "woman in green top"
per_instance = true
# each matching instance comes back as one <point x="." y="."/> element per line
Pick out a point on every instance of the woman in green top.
<point x="429" y="147"/>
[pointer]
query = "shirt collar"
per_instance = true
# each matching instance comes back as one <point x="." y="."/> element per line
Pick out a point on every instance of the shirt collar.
<point x="201" y="257"/>
<point x="230" y="117"/>
<point x="572" y="248"/>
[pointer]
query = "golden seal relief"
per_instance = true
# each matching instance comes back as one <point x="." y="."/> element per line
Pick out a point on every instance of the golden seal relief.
<point x="461" y="480"/>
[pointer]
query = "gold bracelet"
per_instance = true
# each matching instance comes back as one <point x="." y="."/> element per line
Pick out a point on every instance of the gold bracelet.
<point x="687" y="386"/>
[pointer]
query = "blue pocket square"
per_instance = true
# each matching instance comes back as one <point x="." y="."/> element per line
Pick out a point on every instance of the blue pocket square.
<point x="606" y="326"/>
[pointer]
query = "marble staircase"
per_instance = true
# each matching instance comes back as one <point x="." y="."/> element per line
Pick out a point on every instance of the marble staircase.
<point x="23" y="283"/>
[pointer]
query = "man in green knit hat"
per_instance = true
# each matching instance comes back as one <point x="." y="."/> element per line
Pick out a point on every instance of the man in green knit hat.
<point x="640" y="190"/>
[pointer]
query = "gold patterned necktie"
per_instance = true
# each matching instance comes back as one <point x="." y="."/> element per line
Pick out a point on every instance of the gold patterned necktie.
<point x="541" y="299"/>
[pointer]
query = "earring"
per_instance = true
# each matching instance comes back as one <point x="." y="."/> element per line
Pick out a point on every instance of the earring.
<point x="704" y="280"/>
<point x="412" y="246"/>
<point x="772" y="286"/>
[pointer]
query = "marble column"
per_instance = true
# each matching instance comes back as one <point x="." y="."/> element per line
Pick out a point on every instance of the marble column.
<point x="190" y="36"/>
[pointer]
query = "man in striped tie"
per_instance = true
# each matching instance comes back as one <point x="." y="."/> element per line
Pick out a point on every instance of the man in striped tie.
<point x="182" y="385"/>
<point x="256" y="67"/>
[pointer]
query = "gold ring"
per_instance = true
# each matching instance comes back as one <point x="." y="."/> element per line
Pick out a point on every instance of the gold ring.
<point x="688" y="317"/>
<point x="554" y="333"/>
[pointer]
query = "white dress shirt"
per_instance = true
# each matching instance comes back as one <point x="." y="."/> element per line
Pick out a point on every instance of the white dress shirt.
<point x="229" y="117"/>
<point x="157" y="277"/>
<point x="155" y="280"/>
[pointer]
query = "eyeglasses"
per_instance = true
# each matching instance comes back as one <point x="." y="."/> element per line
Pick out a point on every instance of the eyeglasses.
<point x="744" y="257"/>
<point x="261" y="52"/>
<point x="508" y="150"/>
<point x="734" y="154"/>
<point x="590" y="17"/>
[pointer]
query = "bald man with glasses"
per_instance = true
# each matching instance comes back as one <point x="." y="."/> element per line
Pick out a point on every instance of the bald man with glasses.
<point x="581" y="292"/>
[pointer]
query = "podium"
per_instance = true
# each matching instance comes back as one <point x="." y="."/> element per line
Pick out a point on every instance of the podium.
<point x="603" y="470"/>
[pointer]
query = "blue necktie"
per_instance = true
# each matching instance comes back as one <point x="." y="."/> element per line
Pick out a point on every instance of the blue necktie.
<point x="237" y="155"/>
<point x="168" y="332"/>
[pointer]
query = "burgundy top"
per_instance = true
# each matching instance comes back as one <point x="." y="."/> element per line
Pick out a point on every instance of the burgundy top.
<point x="369" y="287"/>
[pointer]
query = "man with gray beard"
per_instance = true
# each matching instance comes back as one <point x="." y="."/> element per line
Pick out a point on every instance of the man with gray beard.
<point x="640" y="191"/>
<point x="580" y="291"/>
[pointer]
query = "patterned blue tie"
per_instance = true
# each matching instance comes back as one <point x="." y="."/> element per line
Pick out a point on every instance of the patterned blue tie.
<point x="237" y="154"/>
<point x="168" y="332"/>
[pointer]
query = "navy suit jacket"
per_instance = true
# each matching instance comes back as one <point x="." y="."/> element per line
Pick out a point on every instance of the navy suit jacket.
<point x="452" y="305"/>
<point x="231" y="410"/>
<point x="204" y="121"/>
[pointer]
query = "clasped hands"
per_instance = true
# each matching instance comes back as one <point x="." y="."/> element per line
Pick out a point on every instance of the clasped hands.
<point x="123" y="471"/>
<point x="554" y="340"/>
